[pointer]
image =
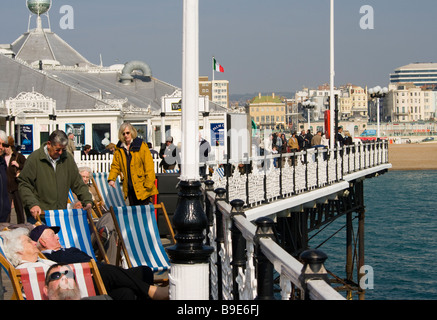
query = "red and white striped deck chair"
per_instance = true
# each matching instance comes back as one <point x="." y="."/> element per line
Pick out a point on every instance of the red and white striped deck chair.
<point x="33" y="280"/>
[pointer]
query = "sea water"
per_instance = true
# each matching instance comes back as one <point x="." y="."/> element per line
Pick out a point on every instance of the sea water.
<point x="400" y="237"/>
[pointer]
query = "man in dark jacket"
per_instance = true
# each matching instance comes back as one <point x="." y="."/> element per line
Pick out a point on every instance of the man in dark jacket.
<point x="122" y="284"/>
<point x="5" y="205"/>
<point x="48" y="175"/>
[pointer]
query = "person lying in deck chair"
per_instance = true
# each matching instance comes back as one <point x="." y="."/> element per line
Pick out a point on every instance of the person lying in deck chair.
<point x="61" y="284"/>
<point x="121" y="284"/>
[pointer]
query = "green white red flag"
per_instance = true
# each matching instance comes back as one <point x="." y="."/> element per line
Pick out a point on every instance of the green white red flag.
<point x="216" y="66"/>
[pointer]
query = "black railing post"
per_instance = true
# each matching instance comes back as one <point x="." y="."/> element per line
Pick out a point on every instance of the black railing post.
<point x="238" y="245"/>
<point x="220" y="239"/>
<point x="264" y="268"/>
<point x="313" y="268"/>
<point x="209" y="186"/>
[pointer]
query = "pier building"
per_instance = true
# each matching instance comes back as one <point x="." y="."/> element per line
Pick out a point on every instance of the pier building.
<point x="47" y="84"/>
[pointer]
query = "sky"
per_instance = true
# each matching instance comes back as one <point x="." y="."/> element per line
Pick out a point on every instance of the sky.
<point x="264" y="46"/>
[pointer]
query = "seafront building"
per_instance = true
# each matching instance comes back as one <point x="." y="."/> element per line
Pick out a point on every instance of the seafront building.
<point x="217" y="91"/>
<point x="419" y="74"/>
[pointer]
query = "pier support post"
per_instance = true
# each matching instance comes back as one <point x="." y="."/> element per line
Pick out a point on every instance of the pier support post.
<point x="238" y="246"/>
<point x="349" y="257"/>
<point x="264" y="266"/>
<point x="361" y="214"/>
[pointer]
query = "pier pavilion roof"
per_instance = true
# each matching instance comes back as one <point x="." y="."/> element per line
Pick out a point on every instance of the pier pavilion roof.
<point x="71" y="80"/>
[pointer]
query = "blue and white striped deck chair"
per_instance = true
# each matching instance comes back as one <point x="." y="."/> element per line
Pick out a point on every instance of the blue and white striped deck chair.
<point x="171" y="171"/>
<point x="75" y="229"/>
<point x="70" y="199"/>
<point x="111" y="196"/>
<point x="139" y="237"/>
<point x="221" y="172"/>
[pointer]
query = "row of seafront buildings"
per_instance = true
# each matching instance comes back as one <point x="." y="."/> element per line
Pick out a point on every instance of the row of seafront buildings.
<point x="412" y="97"/>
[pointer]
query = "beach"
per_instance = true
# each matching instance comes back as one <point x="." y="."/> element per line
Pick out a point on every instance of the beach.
<point x="413" y="156"/>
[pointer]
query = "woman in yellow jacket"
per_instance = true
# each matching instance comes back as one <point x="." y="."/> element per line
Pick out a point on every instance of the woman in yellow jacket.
<point x="132" y="159"/>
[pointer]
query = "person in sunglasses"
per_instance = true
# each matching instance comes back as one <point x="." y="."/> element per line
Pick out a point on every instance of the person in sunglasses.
<point x="61" y="284"/>
<point x="121" y="284"/>
<point x="133" y="160"/>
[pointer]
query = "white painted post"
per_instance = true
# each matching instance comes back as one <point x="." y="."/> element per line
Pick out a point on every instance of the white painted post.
<point x="189" y="257"/>
<point x="332" y="75"/>
<point x="190" y="92"/>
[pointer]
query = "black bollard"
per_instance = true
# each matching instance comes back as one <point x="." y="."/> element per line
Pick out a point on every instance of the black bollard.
<point x="265" y="229"/>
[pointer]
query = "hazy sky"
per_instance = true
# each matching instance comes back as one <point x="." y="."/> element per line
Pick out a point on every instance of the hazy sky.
<point x="268" y="46"/>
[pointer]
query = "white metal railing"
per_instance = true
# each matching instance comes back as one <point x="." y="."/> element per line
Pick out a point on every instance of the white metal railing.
<point x="102" y="162"/>
<point x="289" y="269"/>
<point x="267" y="178"/>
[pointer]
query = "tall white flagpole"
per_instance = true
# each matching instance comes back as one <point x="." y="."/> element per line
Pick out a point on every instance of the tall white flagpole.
<point x="189" y="257"/>
<point x="332" y="75"/>
<point x="190" y="92"/>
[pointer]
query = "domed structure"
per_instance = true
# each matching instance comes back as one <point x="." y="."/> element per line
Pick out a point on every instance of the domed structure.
<point x="39" y="7"/>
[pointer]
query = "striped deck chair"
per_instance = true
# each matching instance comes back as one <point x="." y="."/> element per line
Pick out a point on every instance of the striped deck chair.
<point x="111" y="197"/>
<point x="76" y="227"/>
<point x="139" y="237"/>
<point x="87" y="273"/>
<point x="171" y="171"/>
<point x="221" y="172"/>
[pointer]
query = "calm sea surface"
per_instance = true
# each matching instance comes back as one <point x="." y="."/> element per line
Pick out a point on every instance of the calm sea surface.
<point x="400" y="236"/>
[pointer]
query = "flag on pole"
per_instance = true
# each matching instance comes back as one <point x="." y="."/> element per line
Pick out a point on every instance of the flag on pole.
<point x="216" y="66"/>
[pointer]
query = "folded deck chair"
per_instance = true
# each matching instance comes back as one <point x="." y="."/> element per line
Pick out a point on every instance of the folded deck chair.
<point x="111" y="196"/>
<point x="87" y="277"/>
<point x="139" y="237"/>
<point x="76" y="227"/>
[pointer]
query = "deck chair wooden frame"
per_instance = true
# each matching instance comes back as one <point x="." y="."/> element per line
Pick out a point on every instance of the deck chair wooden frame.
<point x="147" y="241"/>
<point x="100" y="202"/>
<point x="81" y="219"/>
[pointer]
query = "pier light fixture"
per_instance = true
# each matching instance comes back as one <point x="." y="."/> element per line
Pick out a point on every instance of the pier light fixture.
<point x="378" y="93"/>
<point x="308" y="104"/>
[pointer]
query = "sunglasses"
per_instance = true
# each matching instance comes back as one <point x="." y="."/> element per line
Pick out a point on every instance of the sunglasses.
<point x="126" y="133"/>
<point x="58" y="275"/>
<point x="5" y="145"/>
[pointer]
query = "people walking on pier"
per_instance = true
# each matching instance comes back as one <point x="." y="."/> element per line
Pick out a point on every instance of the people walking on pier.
<point x="133" y="160"/>
<point x="293" y="146"/>
<point x="340" y="137"/>
<point x="15" y="162"/>
<point x="169" y="154"/>
<point x="317" y="140"/>
<point x="5" y="205"/>
<point x="204" y="150"/>
<point x="47" y="177"/>
<point x="303" y="141"/>
<point x="71" y="146"/>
